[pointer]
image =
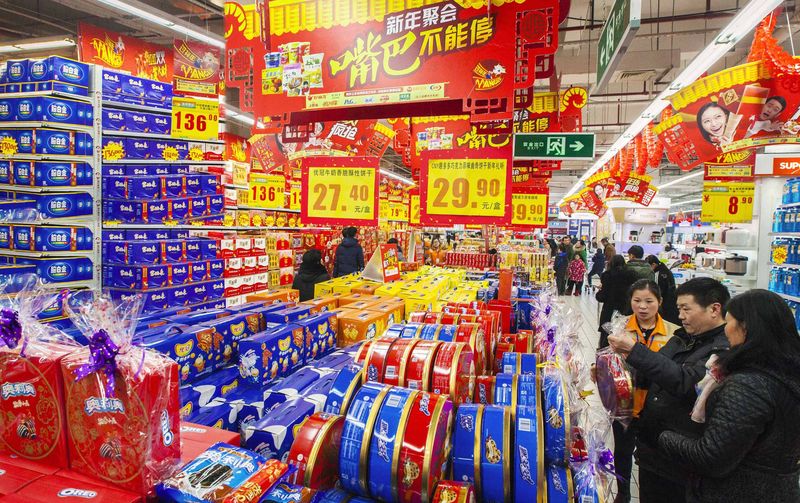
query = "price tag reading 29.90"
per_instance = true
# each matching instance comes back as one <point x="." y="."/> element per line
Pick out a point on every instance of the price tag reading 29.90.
<point x="466" y="191"/>
<point x="340" y="195"/>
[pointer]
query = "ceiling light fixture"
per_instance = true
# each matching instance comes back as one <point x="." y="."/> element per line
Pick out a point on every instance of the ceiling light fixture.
<point x="688" y="201"/>
<point x="681" y="179"/>
<point x="155" y="16"/>
<point x="744" y="22"/>
<point x="38" y="44"/>
<point x="397" y="177"/>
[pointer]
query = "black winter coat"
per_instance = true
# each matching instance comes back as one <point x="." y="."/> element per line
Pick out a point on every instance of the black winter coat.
<point x="614" y="295"/>
<point x="349" y="258"/>
<point x="750" y="449"/>
<point x="669" y="304"/>
<point x="673" y="372"/>
<point x="306" y="278"/>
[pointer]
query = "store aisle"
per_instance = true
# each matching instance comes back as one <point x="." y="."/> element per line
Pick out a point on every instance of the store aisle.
<point x="589" y="310"/>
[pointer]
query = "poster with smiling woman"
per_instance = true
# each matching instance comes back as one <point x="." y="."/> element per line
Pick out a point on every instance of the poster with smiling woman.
<point x="738" y="108"/>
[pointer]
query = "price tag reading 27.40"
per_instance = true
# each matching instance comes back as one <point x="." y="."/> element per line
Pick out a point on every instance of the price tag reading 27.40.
<point x="466" y="191"/>
<point x="340" y="195"/>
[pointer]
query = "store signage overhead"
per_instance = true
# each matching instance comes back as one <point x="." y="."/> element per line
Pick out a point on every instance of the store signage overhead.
<point x="340" y="191"/>
<point x="621" y="26"/>
<point x="728" y="202"/>
<point x="463" y="186"/>
<point x="554" y="146"/>
<point x="119" y="52"/>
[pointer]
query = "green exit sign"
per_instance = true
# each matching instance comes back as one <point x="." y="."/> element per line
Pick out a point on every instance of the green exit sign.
<point x="618" y="32"/>
<point x="554" y="146"/>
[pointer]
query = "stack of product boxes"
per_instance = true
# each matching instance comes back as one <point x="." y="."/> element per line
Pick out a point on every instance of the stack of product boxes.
<point x="255" y="263"/>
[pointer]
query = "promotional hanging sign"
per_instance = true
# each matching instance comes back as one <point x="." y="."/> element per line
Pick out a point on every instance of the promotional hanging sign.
<point x="236" y="148"/>
<point x="120" y="52"/>
<point x="744" y="107"/>
<point x="529" y="208"/>
<point x="733" y="166"/>
<point x="195" y="119"/>
<point x="727" y="202"/>
<point x="340" y="191"/>
<point x="196" y="68"/>
<point x="465" y="186"/>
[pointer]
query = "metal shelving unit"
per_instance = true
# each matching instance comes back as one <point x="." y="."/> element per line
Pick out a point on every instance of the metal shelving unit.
<point x="45" y="190"/>
<point x="151" y="136"/>
<point x="162" y="161"/>
<point x="135" y="108"/>
<point x="43" y="124"/>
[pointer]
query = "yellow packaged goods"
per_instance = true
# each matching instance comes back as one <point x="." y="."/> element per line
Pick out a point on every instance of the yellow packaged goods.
<point x="369" y="288"/>
<point x="395" y="308"/>
<point x="287" y="295"/>
<point x="390" y="289"/>
<point x="355" y="326"/>
<point x="322" y="304"/>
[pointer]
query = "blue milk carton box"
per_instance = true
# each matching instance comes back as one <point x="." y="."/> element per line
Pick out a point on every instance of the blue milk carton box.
<point x="137" y="277"/>
<point x="55" y="142"/>
<point x="26" y="109"/>
<point x="173" y="186"/>
<point x="21" y="172"/>
<point x="199" y="206"/>
<point x="22" y="237"/>
<point x="17" y="71"/>
<point x="137" y="122"/>
<point x="114" y="120"/>
<point x="62" y="110"/>
<point x="5" y="237"/>
<point x="178" y="208"/>
<point x="273" y="435"/>
<point x="216" y="268"/>
<point x="64" y="270"/>
<point x="137" y="148"/>
<point x="112" y="84"/>
<point x="274" y="353"/>
<point x="70" y="238"/>
<point x="179" y="296"/>
<point x="180" y="274"/>
<point x="193" y="184"/>
<point x="216" y="204"/>
<point x="62" y="74"/>
<point x="198" y="271"/>
<point x="63" y="205"/>
<point x="173" y="251"/>
<point x="160" y="124"/>
<point x="8" y="109"/>
<point x="5" y="171"/>
<point x="62" y="174"/>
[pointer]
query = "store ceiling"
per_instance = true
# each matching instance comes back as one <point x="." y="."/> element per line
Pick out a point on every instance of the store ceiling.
<point x="672" y="32"/>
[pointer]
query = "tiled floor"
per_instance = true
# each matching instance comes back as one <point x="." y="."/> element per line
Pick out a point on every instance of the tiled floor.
<point x="588" y="309"/>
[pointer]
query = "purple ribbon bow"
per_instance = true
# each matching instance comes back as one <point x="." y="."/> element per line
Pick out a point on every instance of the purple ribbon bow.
<point x="102" y="357"/>
<point x="10" y="328"/>
<point x="605" y="461"/>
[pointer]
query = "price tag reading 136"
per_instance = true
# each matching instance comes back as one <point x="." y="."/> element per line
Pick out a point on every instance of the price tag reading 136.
<point x="728" y="202"/>
<point x="267" y="191"/>
<point x="195" y="119"/>
<point x="529" y="209"/>
<point x="340" y="194"/>
<point x="472" y="187"/>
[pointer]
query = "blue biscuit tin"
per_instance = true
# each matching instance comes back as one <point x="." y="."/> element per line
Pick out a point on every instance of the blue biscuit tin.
<point x="138" y="277"/>
<point x="114" y="120"/>
<point x="528" y="459"/>
<point x="412" y="330"/>
<point x="505" y="390"/>
<point x="220" y="463"/>
<point x="216" y="268"/>
<point x="345" y="386"/>
<point x="395" y="330"/>
<point x="320" y="334"/>
<point x="528" y="391"/>
<point x="58" y="174"/>
<point x="273" y="435"/>
<point x="466" y="445"/>
<point x="21" y="172"/>
<point x="55" y="142"/>
<point x="160" y="124"/>
<point x="290" y="315"/>
<point x="559" y="484"/>
<point x="428" y="332"/>
<point x="63" y="205"/>
<point x="5" y="237"/>
<point x="496" y="454"/>
<point x="179" y="208"/>
<point x="356" y="436"/>
<point x="63" y="270"/>
<point x="198" y="271"/>
<point x="519" y="363"/>
<point x="447" y="333"/>
<point x="556" y="417"/>
<point x="387" y="439"/>
<point x="274" y="353"/>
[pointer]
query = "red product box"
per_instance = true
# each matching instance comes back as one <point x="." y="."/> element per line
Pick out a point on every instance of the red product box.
<point x="259" y="245"/>
<point x="13" y="478"/>
<point x="249" y="266"/>
<point x="18" y="462"/>
<point x="32" y="419"/>
<point x="226" y="248"/>
<point x="131" y="439"/>
<point x="56" y="488"/>
<point x="243" y="247"/>
<point x="234" y="267"/>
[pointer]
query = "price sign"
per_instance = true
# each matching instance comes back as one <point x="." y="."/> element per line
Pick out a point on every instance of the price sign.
<point x="464" y="186"/>
<point x="267" y="191"/>
<point x="195" y="119"/>
<point x="294" y="197"/>
<point x="414" y="210"/>
<point x="728" y="202"/>
<point x="341" y="191"/>
<point x="390" y="210"/>
<point x="529" y="208"/>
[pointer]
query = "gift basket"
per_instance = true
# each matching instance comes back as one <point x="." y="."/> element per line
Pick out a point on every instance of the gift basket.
<point x="122" y="403"/>
<point x="614" y="379"/>
<point x="593" y="468"/>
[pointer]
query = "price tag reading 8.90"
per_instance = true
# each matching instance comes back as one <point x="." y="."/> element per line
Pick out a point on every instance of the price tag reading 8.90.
<point x="466" y="187"/>
<point x="529" y="209"/>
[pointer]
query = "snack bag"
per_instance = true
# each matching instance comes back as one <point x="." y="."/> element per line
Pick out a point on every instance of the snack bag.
<point x="614" y="379"/>
<point x="32" y="421"/>
<point x="122" y="402"/>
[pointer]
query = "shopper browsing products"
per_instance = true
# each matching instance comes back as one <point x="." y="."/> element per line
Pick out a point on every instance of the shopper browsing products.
<point x="673" y="372"/>
<point x="637" y="265"/>
<point x="666" y="282"/>
<point x="349" y="254"/>
<point x="750" y="449"/>
<point x="310" y="273"/>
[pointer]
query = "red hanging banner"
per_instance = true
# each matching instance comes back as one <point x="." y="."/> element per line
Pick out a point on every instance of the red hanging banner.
<point x="119" y="52"/>
<point x="196" y="68"/>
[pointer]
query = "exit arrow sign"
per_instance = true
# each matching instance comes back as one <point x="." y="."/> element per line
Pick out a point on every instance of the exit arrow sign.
<point x="554" y="146"/>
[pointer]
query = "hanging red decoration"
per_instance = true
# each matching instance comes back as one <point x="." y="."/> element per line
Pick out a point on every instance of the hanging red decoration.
<point x="655" y="148"/>
<point x="640" y="154"/>
<point x="762" y="33"/>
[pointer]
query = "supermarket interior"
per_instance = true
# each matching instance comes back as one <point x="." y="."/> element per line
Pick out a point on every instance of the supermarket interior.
<point x="409" y="251"/>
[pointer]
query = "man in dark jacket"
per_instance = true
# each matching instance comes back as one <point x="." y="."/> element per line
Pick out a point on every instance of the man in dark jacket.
<point x="673" y="373"/>
<point x="637" y="265"/>
<point x="666" y="283"/>
<point x="310" y="273"/>
<point x="349" y="254"/>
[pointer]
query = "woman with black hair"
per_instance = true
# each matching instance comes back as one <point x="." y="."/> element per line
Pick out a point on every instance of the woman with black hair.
<point x="750" y="448"/>
<point x="712" y="119"/>
<point x="310" y="273"/>
<point x="613" y="293"/>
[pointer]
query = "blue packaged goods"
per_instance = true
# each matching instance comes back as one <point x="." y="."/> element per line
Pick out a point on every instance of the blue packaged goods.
<point x="152" y="301"/>
<point x="178" y="208"/>
<point x="61" y="110"/>
<point x="132" y="252"/>
<point x="195" y="317"/>
<point x="113" y="235"/>
<point x="54" y="142"/>
<point x="193" y="249"/>
<point x="114" y="120"/>
<point x="198" y="271"/>
<point x="196" y="350"/>
<point x="236" y="327"/>
<point x="320" y="334"/>
<point x="173" y="186"/>
<point x="335" y="361"/>
<point x="111" y="83"/>
<point x="496" y="454"/>
<point x="290" y="315"/>
<point x="193" y="185"/>
<point x="250" y="403"/>
<point x="133" y="86"/>
<point x="8" y="109"/>
<point x="61" y="174"/>
<point x="528" y="391"/>
<point x="136" y="148"/>
<point x="556" y="417"/>
<point x="198" y="293"/>
<point x="133" y="211"/>
<point x="270" y="354"/>
<point x="208" y="249"/>
<point x="113" y="170"/>
<point x="466" y="445"/>
<point x="147" y="235"/>
<point x="63" y="205"/>
<point x="138" y="277"/>
<point x="62" y="70"/>
<point x="198" y="206"/>
<point x="173" y="251"/>
<point x="22" y="237"/>
<point x="272" y="436"/>
<point x="167" y="150"/>
<point x="179" y="296"/>
<point x="208" y="184"/>
<point x="284" y="492"/>
<point x="12" y="275"/>
<point x="212" y="476"/>
<point x="5" y="237"/>
<point x="387" y="438"/>
<point x="113" y="149"/>
<point x="137" y="122"/>
<point x="62" y="270"/>
<point x="506" y="390"/>
<point x="149" y="170"/>
<point x="5" y="171"/>
<point x="216" y="268"/>
<point x="17" y="141"/>
<point x="180" y="274"/>
<point x="217" y="290"/>
<point x="158" y="93"/>
<point x="348" y="380"/>
<point x="333" y="496"/>
<point x="590" y="486"/>
<point x="519" y="363"/>
<point x="54" y="238"/>
<point x="296" y="383"/>
<point x="528" y="468"/>
<point x="202" y="392"/>
<point x="160" y="124"/>
<point x="357" y="434"/>
<point x="559" y="484"/>
<point x="132" y="187"/>
<point x="21" y="172"/>
<point x="319" y="390"/>
<point x="17" y="70"/>
<point x="178" y="234"/>
<point x="216" y="204"/>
